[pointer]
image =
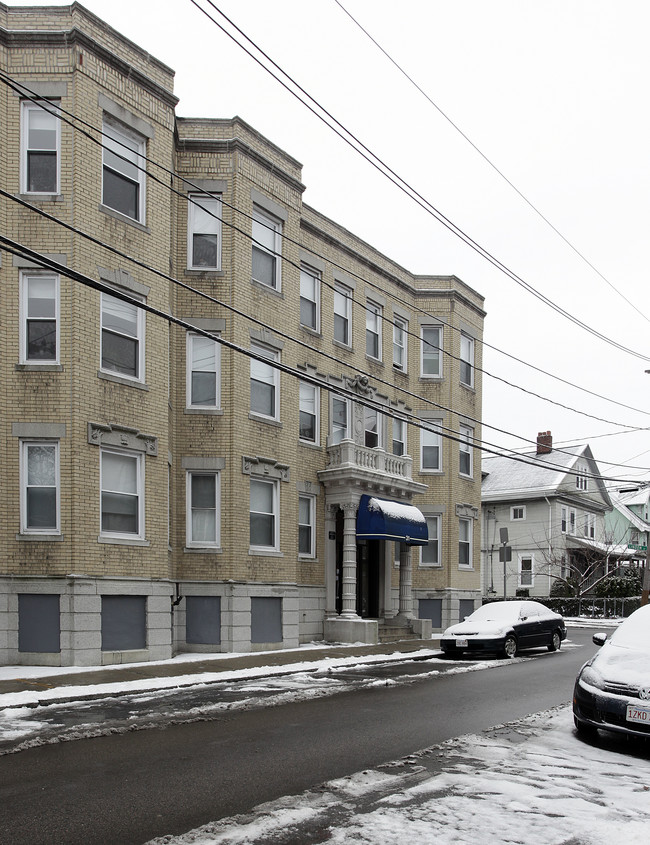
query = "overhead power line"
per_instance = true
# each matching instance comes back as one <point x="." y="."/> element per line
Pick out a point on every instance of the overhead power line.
<point x="375" y="161"/>
<point x="488" y="161"/>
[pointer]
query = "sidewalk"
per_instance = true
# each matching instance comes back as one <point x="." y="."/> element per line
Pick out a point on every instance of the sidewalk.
<point x="74" y="682"/>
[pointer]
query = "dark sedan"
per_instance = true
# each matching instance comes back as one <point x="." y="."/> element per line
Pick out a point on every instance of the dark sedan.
<point x="506" y="627"/>
<point x="612" y="690"/>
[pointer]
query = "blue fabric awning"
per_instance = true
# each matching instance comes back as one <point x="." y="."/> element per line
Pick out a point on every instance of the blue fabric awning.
<point x="381" y="519"/>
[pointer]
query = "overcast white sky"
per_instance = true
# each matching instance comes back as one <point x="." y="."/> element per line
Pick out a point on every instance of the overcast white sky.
<point x="553" y="93"/>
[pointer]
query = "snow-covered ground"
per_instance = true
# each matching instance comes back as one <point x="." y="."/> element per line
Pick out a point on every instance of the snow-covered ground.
<point x="532" y="782"/>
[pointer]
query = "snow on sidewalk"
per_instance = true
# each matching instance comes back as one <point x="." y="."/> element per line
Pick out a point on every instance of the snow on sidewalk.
<point x="529" y="783"/>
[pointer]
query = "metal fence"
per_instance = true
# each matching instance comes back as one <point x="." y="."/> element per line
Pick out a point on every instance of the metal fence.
<point x="591" y="608"/>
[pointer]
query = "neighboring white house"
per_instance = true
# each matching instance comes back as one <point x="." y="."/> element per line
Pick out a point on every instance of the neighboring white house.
<point x="552" y="503"/>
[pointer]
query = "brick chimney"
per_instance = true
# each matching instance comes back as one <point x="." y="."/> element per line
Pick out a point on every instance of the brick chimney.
<point x="544" y="443"/>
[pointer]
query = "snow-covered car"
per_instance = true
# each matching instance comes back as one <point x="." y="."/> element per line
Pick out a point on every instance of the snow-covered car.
<point x="612" y="690"/>
<point x="506" y="627"/>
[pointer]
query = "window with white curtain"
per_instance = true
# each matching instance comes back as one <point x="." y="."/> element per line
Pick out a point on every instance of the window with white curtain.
<point x="203" y="505"/>
<point x="122" y="505"/>
<point x="308" y="402"/>
<point x="122" y="338"/>
<point x="39" y="466"/>
<point x="124" y="164"/>
<point x="265" y="383"/>
<point x="264" y="511"/>
<point x="40" y="148"/>
<point x="204" y="232"/>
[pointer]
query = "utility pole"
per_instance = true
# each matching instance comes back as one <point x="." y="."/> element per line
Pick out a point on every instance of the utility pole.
<point x="505" y="555"/>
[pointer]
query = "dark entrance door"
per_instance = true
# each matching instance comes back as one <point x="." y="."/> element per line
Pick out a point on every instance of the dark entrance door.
<point x="367" y="573"/>
<point x="368" y="579"/>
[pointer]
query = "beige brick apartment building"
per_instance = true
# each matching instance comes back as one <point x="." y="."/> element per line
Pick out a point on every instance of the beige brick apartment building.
<point x="289" y="458"/>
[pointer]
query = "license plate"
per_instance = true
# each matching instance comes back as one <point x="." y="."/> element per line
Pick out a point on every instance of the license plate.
<point x="638" y="714"/>
<point x="461" y="643"/>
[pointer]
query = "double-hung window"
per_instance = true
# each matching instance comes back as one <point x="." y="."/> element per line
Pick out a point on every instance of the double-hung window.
<point x="572" y="521"/>
<point x="373" y="329"/>
<point x="526" y="571"/>
<point x="122" y="338"/>
<point x="309" y="298"/>
<point x="40" y="148"/>
<point x="123" y="183"/>
<point x="430" y="554"/>
<point x="400" y="334"/>
<point x="122" y="499"/>
<point x="582" y="478"/>
<point x="465" y="542"/>
<point x="265" y="383"/>
<point x="467" y="360"/>
<point x="204" y="232"/>
<point x="203" y="366"/>
<point x="267" y="249"/>
<point x="431" y="363"/>
<point x="39" y="340"/>
<point x="264" y="510"/>
<point x="399" y="436"/>
<point x="465" y="453"/>
<point x="39" y="462"/>
<point x="203" y="509"/>
<point x="589" y="529"/>
<point x="340" y="419"/>
<point x="431" y="448"/>
<point x="518" y="514"/>
<point x="372" y="427"/>
<point x="308" y="409"/>
<point x="564" y="519"/>
<point x="342" y="314"/>
<point x="306" y="526"/>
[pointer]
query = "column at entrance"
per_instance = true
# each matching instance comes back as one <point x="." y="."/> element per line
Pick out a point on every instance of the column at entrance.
<point x="349" y="591"/>
<point x="405" y="582"/>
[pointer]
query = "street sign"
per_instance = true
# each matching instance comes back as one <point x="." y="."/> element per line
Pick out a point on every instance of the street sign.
<point x="505" y="554"/>
<point x="637" y="547"/>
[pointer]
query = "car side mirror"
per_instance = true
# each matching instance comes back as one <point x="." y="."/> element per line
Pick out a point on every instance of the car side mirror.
<point x="599" y="639"/>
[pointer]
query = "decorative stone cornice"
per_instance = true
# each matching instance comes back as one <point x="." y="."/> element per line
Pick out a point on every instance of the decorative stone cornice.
<point x="467" y="511"/>
<point x="123" y="437"/>
<point x="266" y="467"/>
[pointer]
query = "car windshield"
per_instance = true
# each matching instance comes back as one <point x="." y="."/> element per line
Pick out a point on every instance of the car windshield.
<point x="496" y="611"/>
<point x="634" y="632"/>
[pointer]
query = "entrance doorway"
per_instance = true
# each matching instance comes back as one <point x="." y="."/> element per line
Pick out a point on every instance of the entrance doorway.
<point x="369" y="553"/>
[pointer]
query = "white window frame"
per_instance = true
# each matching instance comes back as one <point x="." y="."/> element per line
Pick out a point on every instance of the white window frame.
<point x="191" y="542"/>
<point x="138" y="338"/>
<point x="468" y="523"/>
<point x="25" y="528"/>
<point x="465" y="447"/>
<point x="201" y="205"/>
<point x="564" y="519"/>
<point x="191" y="368"/>
<point x="431" y="437"/>
<point x="466" y="360"/>
<point x="267" y="238"/>
<point x="373" y="329"/>
<point x="343" y="297"/>
<point x="311" y="524"/>
<point x="271" y="377"/>
<point x="589" y="527"/>
<point x="573" y="521"/>
<point x="309" y="277"/>
<point x="120" y="140"/>
<point x="25" y="318"/>
<point x="371" y="415"/>
<point x="309" y="403"/>
<point x="399" y="436"/>
<point x="335" y="437"/>
<point x="28" y="108"/>
<point x="400" y="344"/>
<point x="425" y="356"/>
<point x="522" y="558"/>
<point x="582" y="479"/>
<point x="515" y="510"/>
<point x="138" y="457"/>
<point x="434" y="520"/>
<point x="274" y="513"/>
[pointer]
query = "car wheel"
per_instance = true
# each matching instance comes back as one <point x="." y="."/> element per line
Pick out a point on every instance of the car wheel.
<point x="556" y="642"/>
<point x="584" y="729"/>
<point x="510" y="647"/>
